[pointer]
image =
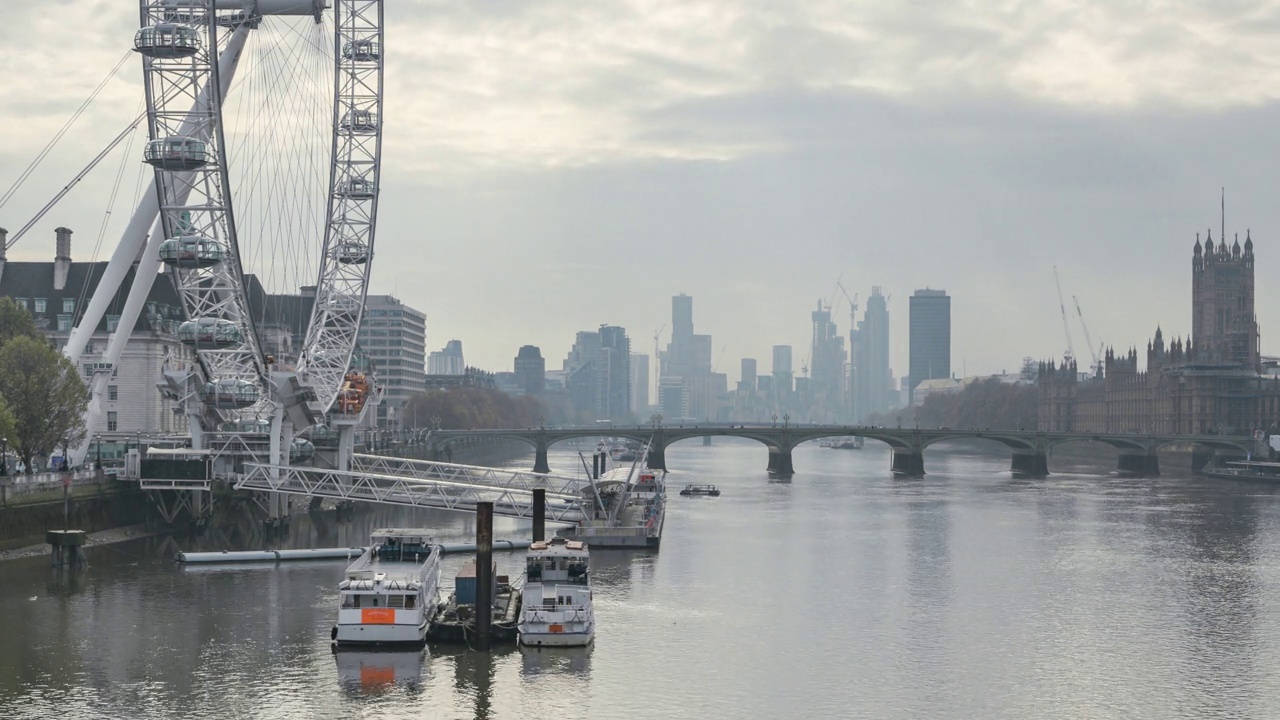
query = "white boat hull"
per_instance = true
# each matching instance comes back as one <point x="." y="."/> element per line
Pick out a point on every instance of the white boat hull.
<point x="543" y="638"/>
<point x="360" y="634"/>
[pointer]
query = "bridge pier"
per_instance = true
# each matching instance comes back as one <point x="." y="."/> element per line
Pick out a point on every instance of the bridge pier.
<point x="657" y="457"/>
<point x="540" y="464"/>
<point x="780" y="461"/>
<point x="1030" y="464"/>
<point x="908" y="462"/>
<point x="1138" y="464"/>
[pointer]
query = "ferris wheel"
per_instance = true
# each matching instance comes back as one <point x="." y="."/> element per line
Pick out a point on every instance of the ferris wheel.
<point x="191" y="51"/>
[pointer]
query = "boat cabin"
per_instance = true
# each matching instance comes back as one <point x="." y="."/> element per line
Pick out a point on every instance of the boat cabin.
<point x="710" y="490"/>
<point x="557" y="561"/>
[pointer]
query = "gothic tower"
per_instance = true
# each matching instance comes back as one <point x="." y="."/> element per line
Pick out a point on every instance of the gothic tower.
<point x="1223" y="325"/>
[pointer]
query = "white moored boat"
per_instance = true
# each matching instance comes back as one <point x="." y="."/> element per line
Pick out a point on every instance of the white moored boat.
<point x="556" y="609"/>
<point x="389" y="593"/>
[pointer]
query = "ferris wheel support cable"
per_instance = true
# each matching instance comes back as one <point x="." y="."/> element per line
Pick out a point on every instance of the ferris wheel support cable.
<point x="75" y="180"/>
<point x="63" y="131"/>
<point x="143" y="280"/>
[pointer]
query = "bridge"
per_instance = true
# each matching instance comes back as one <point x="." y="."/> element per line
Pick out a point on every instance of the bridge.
<point x="1030" y="449"/>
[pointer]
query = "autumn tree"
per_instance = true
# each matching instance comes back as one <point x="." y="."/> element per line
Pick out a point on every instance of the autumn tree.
<point x="16" y="322"/>
<point x="45" y="395"/>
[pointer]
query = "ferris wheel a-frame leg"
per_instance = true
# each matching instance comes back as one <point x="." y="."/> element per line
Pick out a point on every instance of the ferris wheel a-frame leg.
<point x="148" y="265"/>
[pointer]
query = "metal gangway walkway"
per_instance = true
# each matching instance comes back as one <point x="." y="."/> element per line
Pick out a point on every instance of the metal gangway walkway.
<point x="422" y="483"/>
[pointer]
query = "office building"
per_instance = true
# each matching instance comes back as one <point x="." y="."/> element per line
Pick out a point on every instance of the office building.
<point x="530" y="370"/>
<point x="929" y="336"/>
<point x="871" y="379"/>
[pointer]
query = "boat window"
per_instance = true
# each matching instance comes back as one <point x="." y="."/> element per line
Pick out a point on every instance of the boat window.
<point x="395" y="601"/>
<point x="351" y="600"/>
<point x="410" y="601"/>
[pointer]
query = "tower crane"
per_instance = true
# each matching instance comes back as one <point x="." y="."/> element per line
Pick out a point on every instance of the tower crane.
<point x="1066" y="327"/>
<point x="1097" y="359"/>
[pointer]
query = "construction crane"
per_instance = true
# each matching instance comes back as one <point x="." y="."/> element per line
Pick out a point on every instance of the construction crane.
<point x="1066" y="327"/>
<point x="853" y="304"/>
<point x="1097" y="354"/>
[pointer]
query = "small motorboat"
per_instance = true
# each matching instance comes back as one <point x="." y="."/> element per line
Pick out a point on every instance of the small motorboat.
<point x="708" y="490"/>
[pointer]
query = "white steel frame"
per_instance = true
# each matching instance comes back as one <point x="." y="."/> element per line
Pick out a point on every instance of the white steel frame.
<point x="349" y="233"/>
<point x="198" y="201"/>
<point x="441" y="493"/>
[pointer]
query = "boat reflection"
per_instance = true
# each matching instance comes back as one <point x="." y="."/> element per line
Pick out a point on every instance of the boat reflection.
<point x="556" y="660"/>
<point x="367" y="672"/>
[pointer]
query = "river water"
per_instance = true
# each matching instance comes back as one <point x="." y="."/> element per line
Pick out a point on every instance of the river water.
<point x="842" y="594"/>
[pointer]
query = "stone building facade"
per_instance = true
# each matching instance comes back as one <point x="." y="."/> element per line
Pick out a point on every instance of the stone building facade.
<point x="1210" y="383"/>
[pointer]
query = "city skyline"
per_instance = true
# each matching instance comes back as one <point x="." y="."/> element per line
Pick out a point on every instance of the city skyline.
<point x="752" y="183"/>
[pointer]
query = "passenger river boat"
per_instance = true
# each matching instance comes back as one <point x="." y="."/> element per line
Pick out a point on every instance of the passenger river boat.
<point x="389" y="593"/>
<point x="556" y="606"/>
<point x="1246" y="470"/>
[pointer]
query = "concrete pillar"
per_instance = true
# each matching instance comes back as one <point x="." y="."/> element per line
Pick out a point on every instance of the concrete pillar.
<point x="1030" y="464"/>
<point x="780" y="461"/>
<point x="539" y="514"/>
<point x="1138" y="464"/>
<point x="908" y="462"/>
<point x="657" y="457"/>
<point x="484" y="573"/>
<point x="540" y="464"/>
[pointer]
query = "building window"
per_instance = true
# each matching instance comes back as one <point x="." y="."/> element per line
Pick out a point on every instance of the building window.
<point x="68" y="305"/>
<point x="88" y="348"/>
<point x="22" y="302"/>
<point x="112" y="322"/>
<point x="64" y="323"/>
<point x="40" y="305"/>
<point x="112" y="422"/>
<point x="113" y="392"/>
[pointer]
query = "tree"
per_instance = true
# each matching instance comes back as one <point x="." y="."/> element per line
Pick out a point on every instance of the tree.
<point x="16" y="322"/>
<point x="45" y="394"/>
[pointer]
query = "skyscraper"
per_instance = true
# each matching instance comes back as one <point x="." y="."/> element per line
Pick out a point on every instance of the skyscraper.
<point x="748" y="381"/>
<point x="930" y="336"/>
<point x="782" y="369"/>
<point x="872" y="383"/>
<point x="826" y="366"/>
<point x="639" y="382"/>
<point x="531" y="370"/>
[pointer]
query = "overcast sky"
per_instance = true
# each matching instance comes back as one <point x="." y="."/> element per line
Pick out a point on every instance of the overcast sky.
<point x="553" y="165"/>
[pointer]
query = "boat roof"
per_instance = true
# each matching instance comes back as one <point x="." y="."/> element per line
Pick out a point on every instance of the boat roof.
<point x="1254" y="463"/>
<point x="558" y="544"/>
<point x="388" y="533"/>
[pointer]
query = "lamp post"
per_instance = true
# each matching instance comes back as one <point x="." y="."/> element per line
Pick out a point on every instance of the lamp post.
<point x="4" y="456"/>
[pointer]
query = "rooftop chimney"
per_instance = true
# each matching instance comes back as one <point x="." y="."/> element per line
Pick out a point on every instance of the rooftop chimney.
<point x="62" y="260"/>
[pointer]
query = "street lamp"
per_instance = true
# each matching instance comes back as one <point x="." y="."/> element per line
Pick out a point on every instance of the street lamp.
<point x="4" y="456"/>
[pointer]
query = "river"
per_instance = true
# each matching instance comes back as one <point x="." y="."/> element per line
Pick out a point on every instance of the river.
<point x="842" y="594"/>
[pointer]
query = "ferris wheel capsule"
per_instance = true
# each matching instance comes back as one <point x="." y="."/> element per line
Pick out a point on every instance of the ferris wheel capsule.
<point x="210" y="332"/>
<point x="359" y="121"/>
<point x="167" y="41"/>
<point x="352" y="253"/>
<point x="177" y="153"/>
<point x="192" y="251"/>
<point x="362" y="50"/>
<point x="356" y="189"/>
<point x="229" y="394"/>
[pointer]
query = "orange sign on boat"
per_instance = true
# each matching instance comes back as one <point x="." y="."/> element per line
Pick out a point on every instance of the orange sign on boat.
<point x="557" y="628"/>
<point x="378" y="616"/>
